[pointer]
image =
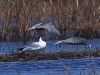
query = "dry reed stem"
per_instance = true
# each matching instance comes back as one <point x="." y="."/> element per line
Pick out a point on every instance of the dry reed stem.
<point x="76" y="15"/>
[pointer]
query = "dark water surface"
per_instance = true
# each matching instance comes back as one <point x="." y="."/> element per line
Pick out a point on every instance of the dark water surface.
<point x="82" y="66"/>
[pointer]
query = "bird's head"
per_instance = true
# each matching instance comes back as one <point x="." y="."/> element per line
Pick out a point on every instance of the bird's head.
<point x="42" y="39"/>
<point x="31" y="28"/>
<point x="57" y="42"/>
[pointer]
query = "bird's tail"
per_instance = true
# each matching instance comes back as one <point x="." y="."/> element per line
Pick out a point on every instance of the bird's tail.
<point x="21" y="53"/>
<point x="57" y="42"/>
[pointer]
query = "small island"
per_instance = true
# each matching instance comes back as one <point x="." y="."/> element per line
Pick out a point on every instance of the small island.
<point x="13" y="56"/>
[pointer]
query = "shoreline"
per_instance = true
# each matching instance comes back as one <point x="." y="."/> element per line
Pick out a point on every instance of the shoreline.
<point x="12" y="57"/>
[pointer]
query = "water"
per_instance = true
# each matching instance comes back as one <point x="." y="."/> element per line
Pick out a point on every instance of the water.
<point x="5" y="47"/>
<point x="51" y="67"/>
<point x="77" y="66"/>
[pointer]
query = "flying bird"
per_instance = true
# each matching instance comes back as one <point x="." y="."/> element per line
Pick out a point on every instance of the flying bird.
<point x="73" y="41"/>
<point x="49" y="27"/>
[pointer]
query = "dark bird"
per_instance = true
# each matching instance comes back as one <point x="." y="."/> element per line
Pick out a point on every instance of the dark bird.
<point x="49" y="27"/>
<point x="73" y="41"/>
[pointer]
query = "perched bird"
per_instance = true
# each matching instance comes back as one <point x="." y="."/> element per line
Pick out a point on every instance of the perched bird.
<point x="49" y="27"/>
<point x="35" y="47"/>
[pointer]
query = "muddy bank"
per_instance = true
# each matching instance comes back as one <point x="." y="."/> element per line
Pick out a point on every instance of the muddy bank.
<point x="48" y="56"/>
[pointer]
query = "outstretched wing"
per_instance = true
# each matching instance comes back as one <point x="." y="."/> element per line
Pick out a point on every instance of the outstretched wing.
<point x="75" y="40"/>
<point x="49" y="27"/>
<point x="82" y="39"/>
<point x="35" y="26"/>
<point x="72" y="40"/>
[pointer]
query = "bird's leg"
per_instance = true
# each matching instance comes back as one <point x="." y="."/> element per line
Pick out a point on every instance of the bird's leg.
<point x="43" y="52"/>
<point x="37" y="54"/>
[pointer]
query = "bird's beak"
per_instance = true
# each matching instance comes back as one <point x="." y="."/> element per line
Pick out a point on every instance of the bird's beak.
<point x="57" y="42"/>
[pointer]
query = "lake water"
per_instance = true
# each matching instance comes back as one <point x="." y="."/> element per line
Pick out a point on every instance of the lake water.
<point x="83" y="66"/>
<point x="5" y="47"/>
<point x="77" y="66"/>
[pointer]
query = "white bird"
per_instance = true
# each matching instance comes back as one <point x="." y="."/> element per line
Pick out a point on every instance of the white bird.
<point x="35" y="47"/>
<point x="49" y="27"/>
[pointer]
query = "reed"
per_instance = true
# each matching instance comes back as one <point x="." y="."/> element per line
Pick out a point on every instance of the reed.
<point x="13" y="68"/>
<point x="18" y="15"/>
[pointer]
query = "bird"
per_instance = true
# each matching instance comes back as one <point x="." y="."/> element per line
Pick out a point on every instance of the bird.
<point x="48" y="27"/>
<point x="72" y="41"/>
<point x="35" y="47"/>
<point x="35" y="26"/>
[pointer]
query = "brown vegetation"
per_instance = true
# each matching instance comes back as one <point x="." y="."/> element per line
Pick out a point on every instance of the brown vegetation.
<point x="16" y="16"/>
<point x="49" y="56"/>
